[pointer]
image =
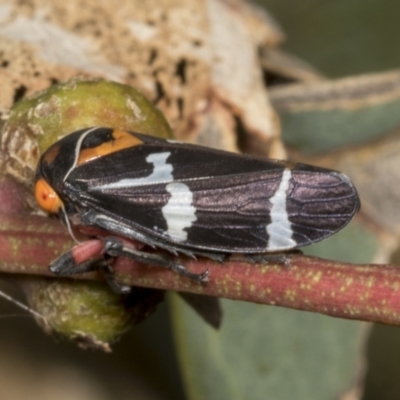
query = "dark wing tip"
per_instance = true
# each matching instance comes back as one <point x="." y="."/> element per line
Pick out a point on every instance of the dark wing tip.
<point x="354" y="194"/>
<point x="321" y="202"/>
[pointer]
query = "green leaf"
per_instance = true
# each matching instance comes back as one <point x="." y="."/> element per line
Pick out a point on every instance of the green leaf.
<point x="265" y="353"/>
<point x="325" y="115"/>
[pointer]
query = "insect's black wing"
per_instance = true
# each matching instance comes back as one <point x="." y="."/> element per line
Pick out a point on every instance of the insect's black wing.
<point x="194" y="198"/>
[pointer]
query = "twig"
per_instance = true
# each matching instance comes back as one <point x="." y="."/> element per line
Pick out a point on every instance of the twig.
<point x="367" y="292"/>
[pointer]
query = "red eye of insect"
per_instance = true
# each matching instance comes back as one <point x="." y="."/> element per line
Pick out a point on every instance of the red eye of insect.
<point x="46" y="197"/>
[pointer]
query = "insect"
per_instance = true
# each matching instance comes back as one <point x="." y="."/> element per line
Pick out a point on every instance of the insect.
<point x="127" y="187"/>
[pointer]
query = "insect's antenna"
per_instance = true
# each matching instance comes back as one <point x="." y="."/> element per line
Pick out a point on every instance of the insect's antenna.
<point x="68" y="224"/>
<point x="21" y="305"/>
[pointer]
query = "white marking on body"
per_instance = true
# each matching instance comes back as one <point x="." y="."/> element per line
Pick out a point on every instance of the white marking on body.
<point x="179" y="212"/>
<point x="162" y="173"/>
<point x="78" y="149"/>
<point x="174" y="141"/>
<point x="279" y="229"/>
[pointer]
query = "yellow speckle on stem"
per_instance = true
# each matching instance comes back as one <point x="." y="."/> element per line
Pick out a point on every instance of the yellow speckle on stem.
<point x="317" y="276"/>
<point x="348" y="281"/>
<point x="291" y="295"/>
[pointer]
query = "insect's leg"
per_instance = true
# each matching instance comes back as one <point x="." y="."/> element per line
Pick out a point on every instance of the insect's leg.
<point x="86" y="257"/>
<point x="115" y="286"/>
<point x="271" y="258"/>
<point x="218" y="257"/>
<point x="114" y="246"/>
<point x="81" y="258"/>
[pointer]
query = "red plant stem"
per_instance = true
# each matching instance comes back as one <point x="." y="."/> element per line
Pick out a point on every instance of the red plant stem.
<point x="365" y="292"/>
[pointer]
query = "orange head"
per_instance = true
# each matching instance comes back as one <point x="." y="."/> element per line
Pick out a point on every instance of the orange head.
<point x="46" y="197"/>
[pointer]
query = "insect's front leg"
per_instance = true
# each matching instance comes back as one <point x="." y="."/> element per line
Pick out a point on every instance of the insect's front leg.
<point x="84" y="257"/>
<point x="115" y="247"/>
<point x="87" y="256"/>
